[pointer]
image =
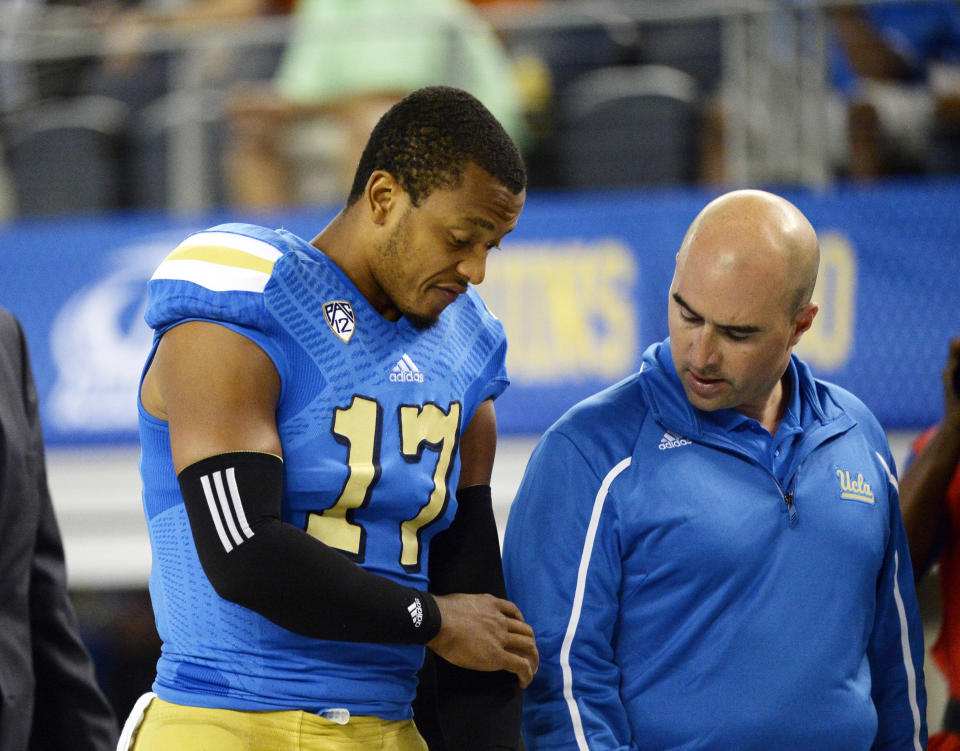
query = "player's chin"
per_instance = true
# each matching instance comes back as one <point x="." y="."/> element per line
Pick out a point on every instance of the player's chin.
<point x="422" y="320"/>
<point x="428" y="313"/>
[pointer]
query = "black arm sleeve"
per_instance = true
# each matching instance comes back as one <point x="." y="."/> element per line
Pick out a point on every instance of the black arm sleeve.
<point x="477" y="711"/>
<point x="254" y="559"/>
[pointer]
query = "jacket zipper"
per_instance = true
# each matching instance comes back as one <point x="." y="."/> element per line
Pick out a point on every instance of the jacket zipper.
<point x="791" y="508"/>
<point x="788" y="496"/>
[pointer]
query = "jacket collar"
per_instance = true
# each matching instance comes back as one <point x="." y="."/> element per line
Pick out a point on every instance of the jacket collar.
<point x="810" y="403"/>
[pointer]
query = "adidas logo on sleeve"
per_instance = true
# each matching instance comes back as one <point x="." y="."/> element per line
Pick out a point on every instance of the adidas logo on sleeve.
<point x="416" y="612"/>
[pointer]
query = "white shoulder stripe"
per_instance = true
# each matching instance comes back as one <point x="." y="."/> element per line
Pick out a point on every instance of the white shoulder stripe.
<point x="578" y="603"/>
<point x="907" y="657"/>
<point x="213" y="276"/>
<point x="890" y="475"/>
<point x="221" y="261"/>
<point x="250" y="245"/>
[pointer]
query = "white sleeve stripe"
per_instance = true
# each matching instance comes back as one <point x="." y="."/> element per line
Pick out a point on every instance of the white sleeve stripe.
<point x="890" y="475"/>
<point x="225" y="506"/>
<point x="212" y="505"/>
<point x="237" y="503"/>
<point x="250" y="245"/>
<point x="907" y="658"/>
<point x="578" y="603"/>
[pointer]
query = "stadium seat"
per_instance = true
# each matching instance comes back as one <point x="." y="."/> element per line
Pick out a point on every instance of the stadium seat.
<point x="694" y="46"/>
<point x="198" y="118"/>
<point x="572" y="41"/>
<point x="62" y="155"/>
<point x="628" y="126"/>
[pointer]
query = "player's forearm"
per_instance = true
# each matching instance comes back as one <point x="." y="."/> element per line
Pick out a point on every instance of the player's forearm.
<point x="478" y="711"/>
<point x="254" y="559"/>
<point x="301" y="584"/>
<point x="466" y="556"/>
<point x="465" y="570"/>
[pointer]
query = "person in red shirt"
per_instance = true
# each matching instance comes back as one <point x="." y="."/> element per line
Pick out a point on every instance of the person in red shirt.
<point x="930" y="503"/>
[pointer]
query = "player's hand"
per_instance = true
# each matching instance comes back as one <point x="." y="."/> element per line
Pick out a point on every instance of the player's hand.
<point x="483" y="632"/>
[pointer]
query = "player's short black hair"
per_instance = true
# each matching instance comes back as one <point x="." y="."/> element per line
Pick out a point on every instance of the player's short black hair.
<point x="427" y="138"/>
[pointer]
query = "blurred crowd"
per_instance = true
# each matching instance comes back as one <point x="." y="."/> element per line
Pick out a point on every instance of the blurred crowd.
<point x="194" y="104"/>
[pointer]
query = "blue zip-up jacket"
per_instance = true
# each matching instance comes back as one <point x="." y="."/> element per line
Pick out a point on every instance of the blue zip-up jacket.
<point x="695" y="583"/>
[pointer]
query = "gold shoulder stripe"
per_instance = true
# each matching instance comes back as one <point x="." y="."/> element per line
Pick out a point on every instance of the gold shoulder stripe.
<point x="223" y="256"/>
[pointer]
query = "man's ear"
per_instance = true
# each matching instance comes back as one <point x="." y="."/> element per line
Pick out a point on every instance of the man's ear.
<point x="381" y="195"/>
<point x="803" y="320"/>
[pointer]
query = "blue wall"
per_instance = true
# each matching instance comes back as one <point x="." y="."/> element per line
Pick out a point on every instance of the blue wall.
<point x="580" y="287"/>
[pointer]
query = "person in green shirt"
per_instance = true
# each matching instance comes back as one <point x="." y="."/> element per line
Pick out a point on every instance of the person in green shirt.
<point x="297" y="139"/>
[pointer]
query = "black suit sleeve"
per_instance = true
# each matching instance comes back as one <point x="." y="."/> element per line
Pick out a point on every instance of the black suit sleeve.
<point x="69" y="709"/>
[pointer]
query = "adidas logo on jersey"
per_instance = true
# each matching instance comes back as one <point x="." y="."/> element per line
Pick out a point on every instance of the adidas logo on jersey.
<point x="405" y="371"/>
<point x="416" y="612"/>
<point x="671" y="441"/>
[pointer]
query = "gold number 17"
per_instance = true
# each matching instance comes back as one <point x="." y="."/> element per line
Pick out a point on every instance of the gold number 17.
<point x="360" y="427"/>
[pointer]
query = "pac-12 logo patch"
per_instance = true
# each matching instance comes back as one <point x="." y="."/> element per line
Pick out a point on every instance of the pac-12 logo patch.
<point x="340" y="318"/>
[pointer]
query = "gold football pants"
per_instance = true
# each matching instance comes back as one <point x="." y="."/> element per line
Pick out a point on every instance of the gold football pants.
<point x="169" y="726"/>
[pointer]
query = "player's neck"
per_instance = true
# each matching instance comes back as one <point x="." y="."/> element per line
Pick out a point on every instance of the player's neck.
<point x="345" y="243"/>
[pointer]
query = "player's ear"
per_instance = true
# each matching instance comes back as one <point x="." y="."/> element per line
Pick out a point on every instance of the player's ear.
<point x="381" y="195"/>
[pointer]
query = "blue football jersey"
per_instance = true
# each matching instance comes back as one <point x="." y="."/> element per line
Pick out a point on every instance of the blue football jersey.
<point x="370" y="416"/>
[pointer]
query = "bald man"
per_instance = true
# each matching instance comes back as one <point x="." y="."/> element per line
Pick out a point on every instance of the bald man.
<point x="727" y="568"/>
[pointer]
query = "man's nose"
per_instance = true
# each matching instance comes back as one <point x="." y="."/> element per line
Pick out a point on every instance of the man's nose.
<point x="703" y="352"/>
<point x="473" y="265"/>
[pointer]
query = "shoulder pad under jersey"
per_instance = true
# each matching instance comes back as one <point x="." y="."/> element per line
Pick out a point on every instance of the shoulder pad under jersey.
<point x="216" y="274"/>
